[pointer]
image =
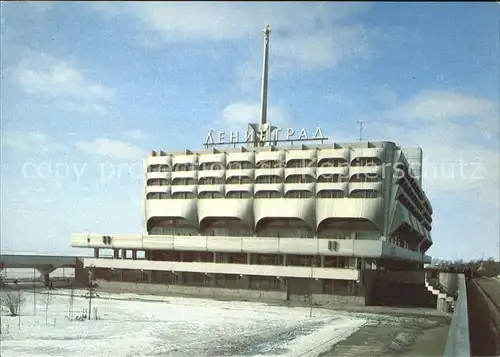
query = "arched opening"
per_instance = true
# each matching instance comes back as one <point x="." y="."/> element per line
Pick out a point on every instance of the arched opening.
<point x="170" y="226"/>
<point x="183" y="181"/>
<point x="210" y="194"/>
<point x="348" y="228"/>
<point x="366" y="177"/>
<point x="158" y="168"/>
<point x="284" y="227"/>
<point x="268" y="164"/>
<point x="266" y="179"/>
<point x="364" y="194"/>
<point x="366" y="161"/>
<point x="157" y="182"/>
<point x="239" y="194"/>
<point x="157" y="196"/>
<point x="332" y="178"/>
<point x="268" y="194"/>
<point x="299" y="194"/>
<point x="299" y="163"/>
<point x="300" y="179"/>
<point x="239" y="165"/>
<point x="331" y="194"/>
<point x="211" y="181"/>
<point x="225" y="226"/>
<point x="332" y="162"/>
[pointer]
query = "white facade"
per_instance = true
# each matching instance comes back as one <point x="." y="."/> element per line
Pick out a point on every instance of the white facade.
<point x="314" y="185"/>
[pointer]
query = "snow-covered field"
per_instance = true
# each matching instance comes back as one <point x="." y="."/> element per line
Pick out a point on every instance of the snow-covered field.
<point x="141" y="325"/>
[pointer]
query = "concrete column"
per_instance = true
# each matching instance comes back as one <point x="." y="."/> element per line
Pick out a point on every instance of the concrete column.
<point x="249" y="258"/>
<point x="442" y="305"/>
<point x="134" y="254"/>
<point x="284" y="260"/>
<point x="96" y="252"/>
<point x="124" y="254"/>
<point x="182" y="256"/>
<point x="322" y="261"/>
<point x="214" y="254"/>
<point x="46" y="279"/>
<point x="245" y="282"/>
<point x="115" y="253"/>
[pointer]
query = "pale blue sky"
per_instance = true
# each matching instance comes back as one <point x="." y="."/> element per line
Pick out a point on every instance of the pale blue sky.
<point x="88" y="89"/>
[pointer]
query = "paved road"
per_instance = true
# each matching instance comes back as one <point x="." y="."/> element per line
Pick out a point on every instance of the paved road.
<point x="491" y="288"/>
<point x="483" y="300"/>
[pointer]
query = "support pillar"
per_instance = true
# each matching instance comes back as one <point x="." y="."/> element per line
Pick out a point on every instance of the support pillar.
<point x="249" y="258"/>
<point x="96" y="252"/>
<point x="116" y="252"/>
<point x="134" y="254"/>
<point x="46" y="279"/>
<point x="124" y="254"/>
<point x="245" y="282"/>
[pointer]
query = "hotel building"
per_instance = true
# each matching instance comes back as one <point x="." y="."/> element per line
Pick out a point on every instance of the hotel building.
<point x="269" y="219"/>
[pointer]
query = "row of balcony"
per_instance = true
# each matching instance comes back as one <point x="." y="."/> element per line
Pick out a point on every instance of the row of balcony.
<point x="271" y="155"/>
<point x="272" y="187"/>
<point x="264" y="194"/>
<point x="342" y="172"/>
<point x="264" y="164"/>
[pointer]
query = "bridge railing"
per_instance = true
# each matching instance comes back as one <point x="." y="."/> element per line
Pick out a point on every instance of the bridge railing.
<point x="457" y="343"/>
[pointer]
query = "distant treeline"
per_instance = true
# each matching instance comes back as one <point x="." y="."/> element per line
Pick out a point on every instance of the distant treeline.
<point x="480" y="267"/>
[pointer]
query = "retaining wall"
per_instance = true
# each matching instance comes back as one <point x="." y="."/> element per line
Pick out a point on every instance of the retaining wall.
<point x="159" y="289"/>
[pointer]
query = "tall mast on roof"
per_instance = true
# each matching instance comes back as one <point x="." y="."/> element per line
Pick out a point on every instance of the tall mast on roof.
<point x="265" y="74"/>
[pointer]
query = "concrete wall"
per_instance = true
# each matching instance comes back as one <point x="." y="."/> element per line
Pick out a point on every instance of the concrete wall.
<point x="449" y="281"/>
<point x="318" y="299"/>
<point x="397" y="288"/>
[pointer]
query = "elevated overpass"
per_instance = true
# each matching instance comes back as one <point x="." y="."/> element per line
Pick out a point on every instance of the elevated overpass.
<point x="45" y="264"/>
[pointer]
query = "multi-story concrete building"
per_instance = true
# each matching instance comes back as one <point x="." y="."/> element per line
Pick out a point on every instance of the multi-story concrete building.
<point x="282" y="221"/>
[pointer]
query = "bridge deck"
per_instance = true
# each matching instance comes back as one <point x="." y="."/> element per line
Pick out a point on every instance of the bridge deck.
<point x="32" y="261"/>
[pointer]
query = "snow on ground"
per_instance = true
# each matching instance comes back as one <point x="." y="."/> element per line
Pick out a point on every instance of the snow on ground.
<point x="142" y="325"/>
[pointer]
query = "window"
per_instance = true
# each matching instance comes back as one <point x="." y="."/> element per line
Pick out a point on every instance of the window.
<point x="183" y="181"/>
<point x="268" y="164"/>
<point x="204" y="195"/>
<point x="364" y="194"/>
<point x="183" y="195"/>
<point x="299" y="163"/>
<point x="238" y="194"/>
<point x="330" y="194"/>
<point x="239" y="180"/>
<point x="268" y="179"/>
<point x="332" y="163"/>
<point x="239" y="165"/>
<point x="208" y="166"/>
<point x="157" y="182"/>
<point x="157" y="196"/>
<point x="299" y="194"/>
<point x="333" y="178"/>
<point x="268" y="194"/>
<point x="300" y="179"/>
<point x="211" y="181"/>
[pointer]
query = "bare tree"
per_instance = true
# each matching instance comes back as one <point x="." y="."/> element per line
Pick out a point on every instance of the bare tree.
<point x="47" y="300"/>
<point x="71" y="302"/>
<point x="12" y="301"/>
